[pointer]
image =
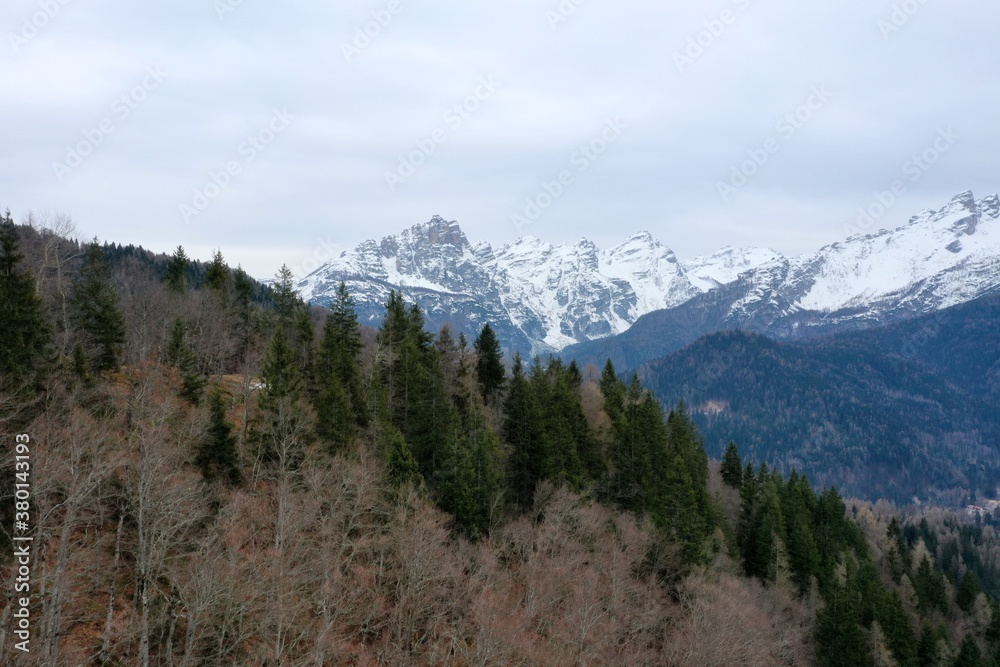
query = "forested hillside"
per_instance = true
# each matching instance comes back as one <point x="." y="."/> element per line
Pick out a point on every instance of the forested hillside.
<point x="902" y="412"/>
<point x="222" y="475"/>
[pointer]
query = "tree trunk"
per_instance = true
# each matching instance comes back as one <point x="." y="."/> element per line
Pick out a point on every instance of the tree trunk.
<point x="105" y="654"/>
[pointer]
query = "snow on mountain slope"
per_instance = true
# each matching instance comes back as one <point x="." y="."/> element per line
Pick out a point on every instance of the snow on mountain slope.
<point x="540" y="296"/>
<point x="724" y="266"/>
<point x="939" y="259"/>
<point x="543" y="297"/>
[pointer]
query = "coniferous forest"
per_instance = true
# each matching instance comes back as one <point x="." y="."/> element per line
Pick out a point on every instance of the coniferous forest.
<point x="224" y="475"/>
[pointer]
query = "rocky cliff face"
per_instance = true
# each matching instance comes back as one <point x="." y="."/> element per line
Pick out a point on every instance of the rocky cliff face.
<point x="538" y="296"/>
<point x="939" y="259"/>
<point x="543" y="298"/>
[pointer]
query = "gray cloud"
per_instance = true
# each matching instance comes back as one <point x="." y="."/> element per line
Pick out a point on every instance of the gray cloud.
<point x="323" y="177"/>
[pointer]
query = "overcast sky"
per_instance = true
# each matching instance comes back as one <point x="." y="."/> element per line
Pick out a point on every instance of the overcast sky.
<point x="119" y="114"/>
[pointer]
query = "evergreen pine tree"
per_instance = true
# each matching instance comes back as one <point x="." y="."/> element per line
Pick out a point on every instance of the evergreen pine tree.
<point x="522" y="433"/>
<point x="97" y="312"/>
<point x="217" y="456"/>
<point x="680" y="512"/>
<point x="286" y="301"/>
<point x="482" y="449"/>
<point x="746" y="526"/>
<point x="389" y="442"/>
<point x="683" y="439"/>
<point x="968" y="589"/>
<point x="25" y="343"/>
<point x="664" y="479"/>
<point x="895" y="624"/>
<point x="412" y="374"/>
<point x="247" y="317"/>
<point x="613" y="391"/>
<point x="769" y="531"/>
<point x="280" y="371"/>
<point x="304" y="337"/>
<point x="81" y="366"/>
<point x="969" y="654"/>
<point x="930" y="644"/>
<point x="929" y="584"/>
<point x="180" y="355"/>
<point x="732" y="467"/>
<point x="284" y="426"/>
<point x="561" y="462"/>
<point x="401" y="465"/>
<point x="217" y="274"/>
<point x="489" y="364"/>
<point x="631" y="464"/>
<point x="339" y="355"/>
<point x="176" y="271"/>
<point x="840" y="641"/>
<point x="803" y="558"/>
<point x="897" y="554"/>
<point x="454" y="479"/>
<point x="335" y="421"/>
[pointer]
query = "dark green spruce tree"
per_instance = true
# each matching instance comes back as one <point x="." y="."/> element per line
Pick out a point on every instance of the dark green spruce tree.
<point x="968" y="589"/>
<point x="286" y="301"/>
<point x="483" y="450"/>
<point x="613" y="391"/>
<point x="180" y="355"/>
<point x="684" y="441"/>
<point x="732" y="467"/>
<point x="969" y="653"/>
<point x="247" y="317"/>
<point x="217" y="456"/>
<point x="522" y="431"/>
<point x="929" y="584"/>
<point x="840" y="640"/>
<point x="411" y="372"/>
<point x="284" y="422"/>
<point x="489" y="363"/>
<point x="81" y="367"/>
<point x="338" y="394"/>
<point x="632" y="477"/>
<point x="97" y="312"/>
<point x="25" y="353"/>
<point x="930" y="644"/>
<point x="175" y="274"/>
<point x="746" y="523"/>
<point x="217" y="274"/>
<point x="797" y="501"/>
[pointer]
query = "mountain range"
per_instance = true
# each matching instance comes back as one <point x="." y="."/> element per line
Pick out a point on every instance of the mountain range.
<point x="637" y="301"/>
<point x="538" y="296"/>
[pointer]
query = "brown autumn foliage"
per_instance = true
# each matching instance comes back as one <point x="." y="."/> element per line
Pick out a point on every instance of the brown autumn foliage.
<point x="732" y="620"/>
<point x="147" y="564"/>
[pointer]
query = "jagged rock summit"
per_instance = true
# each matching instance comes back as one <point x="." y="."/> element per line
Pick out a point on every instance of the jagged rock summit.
<point x="940" y="258"/>
<point x="542" y="297"/>
<point x="538" y="296"/>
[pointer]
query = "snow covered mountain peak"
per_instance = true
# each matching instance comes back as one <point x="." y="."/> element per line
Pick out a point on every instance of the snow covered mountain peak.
<point x="939" y="258"/>
<point x="724" y="266"/>
<point x="542" y="297"/>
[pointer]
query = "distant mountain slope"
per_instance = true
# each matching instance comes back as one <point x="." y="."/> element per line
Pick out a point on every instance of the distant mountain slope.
<point x="939" y="259"/>
<point x="902" y="411"/>
<point x="538" y="296"/>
